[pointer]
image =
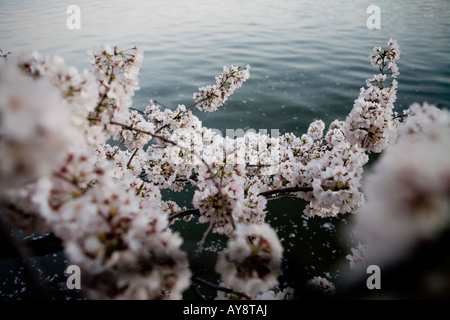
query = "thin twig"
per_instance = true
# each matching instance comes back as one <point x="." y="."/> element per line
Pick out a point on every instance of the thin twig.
<point x="284" y="197"/>
<point x="285" y="190"/>
<point x="183" y="213"/>
<point x="139" y="111"/>
<point x="159" y="103"/>
<point x="68" y="180"/>
<point x="131" y="159"/>
<point x="106" y="92"/>
<point x="144" y="132"/>
<point x="122" y="141"/>
<point x="159" y="129"/>
<point x="202" y="241"/>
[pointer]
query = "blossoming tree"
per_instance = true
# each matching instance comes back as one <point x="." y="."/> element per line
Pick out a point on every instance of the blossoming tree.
<point x="78" y="162"/>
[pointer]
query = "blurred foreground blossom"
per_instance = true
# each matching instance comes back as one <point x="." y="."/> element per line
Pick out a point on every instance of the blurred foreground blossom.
<point x="408" y="193"/>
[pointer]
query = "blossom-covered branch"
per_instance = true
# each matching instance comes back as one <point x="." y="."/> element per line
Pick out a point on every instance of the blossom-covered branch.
<point x="80" y="162"/>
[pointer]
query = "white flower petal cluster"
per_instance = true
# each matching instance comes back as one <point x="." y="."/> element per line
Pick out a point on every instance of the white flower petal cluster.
<point x="124" y="249"/>
<point x="117" y="72"/>
<point x="408" y="193"/>
<point x="59" y="173"/>
<point x="220" y="193"/>
<point x="35" y="129"/>
<point x="388" y="57"/>
<point x="322" y="285"/>
<point x="336" y="181"/>
<point x="370" y="123"/>
<point x="112" y="223"/>
<point x="285" y="294"/>
<point x="424" y="121"/>
<point x="135" y="139"/>
<point x="79" y="92"/>
<point x="328" y="164"/>
<point x="211" y="97"/>
<point x="254" y="205"/>
<point x="315" y="129"/>
<point x="251" y="262"/>
<point x="21" y="207"/>
<point x="358" y="259"/>
<point x="258" y="151"/>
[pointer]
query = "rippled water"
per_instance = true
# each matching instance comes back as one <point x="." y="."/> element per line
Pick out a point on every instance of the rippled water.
<point x="308" y="58"/>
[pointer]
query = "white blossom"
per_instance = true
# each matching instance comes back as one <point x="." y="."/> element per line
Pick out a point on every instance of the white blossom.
<point x="408" y="194"/>
<point x="251" y="262"/>
<point x="322" y="285"/>
<point x="358" y="259"/>
<point x="211" y="97"/>
<point x="35" y="128"/>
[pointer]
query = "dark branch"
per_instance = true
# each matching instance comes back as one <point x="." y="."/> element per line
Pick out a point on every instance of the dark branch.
<point x="284" y="197"/>
<point x="161" y="128"/>
<point x="131" y="158"/>
<point x="183" y="213"/>
<point x="144" y="132"/>
<point x="286" y="190"/>
<point x="48" y="244"/>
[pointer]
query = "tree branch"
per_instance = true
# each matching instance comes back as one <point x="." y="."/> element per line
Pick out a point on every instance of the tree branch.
<point x="144" y="132"/>
<point x="284" y="197"/>
<point x="285" y="190"/>
<point x="183" y="213"/>
<point x="47" y="244"/>
<point x="131" y="158"/>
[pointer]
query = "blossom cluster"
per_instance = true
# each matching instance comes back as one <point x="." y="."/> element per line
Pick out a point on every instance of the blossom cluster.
<point x="80" y="162"/>
<point x="370" y="123"/>
<point x="70" y="182"/>
<point x="408" y="192"/>
<point x="211" y="97"/>
<point x="358" y="259"/>
<point x="35" y="130"/>
<point x="116" y="71"/>
<point x="380" y="58"/>
<point x="251" y="262"/>
<point x="322" y="285"/>
<point x="330" y="165"/>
